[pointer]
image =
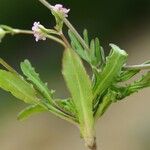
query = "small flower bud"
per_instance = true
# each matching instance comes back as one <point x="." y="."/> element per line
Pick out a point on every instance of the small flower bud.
<point x="2" y="34"/>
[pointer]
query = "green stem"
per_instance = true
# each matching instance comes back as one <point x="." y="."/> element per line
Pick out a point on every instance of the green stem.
<point x="46" y="4"/>
<point x="102" y="107"/>
<point x="8" y="67"/>
<point x="56" y="40"/>
<point x="72" y="29"/>
<point x="136" y="67"/>
<point x="65" y="40"/>
<point x="49" y="31"/>
<point x="20" y="31"/>
<point x="68" y="24"/>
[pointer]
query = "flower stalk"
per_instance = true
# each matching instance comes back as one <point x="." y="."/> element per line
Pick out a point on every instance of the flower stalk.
<point x="138" y="67"/>
<point x="68" y="24"/>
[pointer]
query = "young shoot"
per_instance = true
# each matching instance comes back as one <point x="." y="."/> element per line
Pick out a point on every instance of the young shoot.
<point x="90" y="97"/>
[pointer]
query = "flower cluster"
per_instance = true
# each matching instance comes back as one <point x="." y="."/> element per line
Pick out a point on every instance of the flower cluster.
<point x="38" y="34"/>
<point x="61" y="10"/>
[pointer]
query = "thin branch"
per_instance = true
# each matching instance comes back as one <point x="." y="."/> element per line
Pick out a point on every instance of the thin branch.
<point x="136" y="67"/>
<point x="8" y="67"/>
<point x="19" y="31"/>
<point x="65" y="40"/>
<point x="56" y="40"/>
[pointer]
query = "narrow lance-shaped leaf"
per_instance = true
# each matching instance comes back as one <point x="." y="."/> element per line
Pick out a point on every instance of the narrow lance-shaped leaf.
<point x="86" y="37"/>
<point x="92" y="53"/>
<point x="114" y="63"/>
<point x="45" y="107"/>
<point x="17" y="86"/>
<point x="30" y="110"/>
<point x="96" y="53"/>
<point x="32" y="76"/>
<point x="79" y="86"/>
<point x="67" y="105"/>
<point x="144" y="82"/>
<point x="127" y="74"/>
<point x="105" y="102"/>
<point x="77" y="46"/>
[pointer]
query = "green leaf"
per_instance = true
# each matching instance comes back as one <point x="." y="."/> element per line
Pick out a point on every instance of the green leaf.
<point x="137" y="85"/>
<point x="127" y="74"/>
<point x="7" y="66"/>
<point x="67" y="105"/>
<point x="96" y="53"/>
<point x="77" y="46"/>
<point x="17" y="86"/>
<point x="105" y="102"/>
<point x="114" y="64"/>
<point x="32" y="76"/>
<point x="80" y="88"/>
<point x="95" y="56"/>
<point x="30" y="110"/>
<point x="99" y="52"/>
<point x="124" y="91"/>
<point x="92" y="53"/>
<point x="85" y="36"/>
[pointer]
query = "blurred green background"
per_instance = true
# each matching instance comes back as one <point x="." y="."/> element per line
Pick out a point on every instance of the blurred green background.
<point x="124" y="22"/>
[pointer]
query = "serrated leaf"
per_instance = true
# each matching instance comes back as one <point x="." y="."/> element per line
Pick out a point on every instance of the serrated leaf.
<point x="33" y="77"/>
<point x="30" y="110"/>
<point x="126" y="75"/>
<point x="129" y="89"/>
<point x="80" y="88"/>
<point x="17" y="86"/>
<point x="142" y="83"/>
<point x="114" y="63"/>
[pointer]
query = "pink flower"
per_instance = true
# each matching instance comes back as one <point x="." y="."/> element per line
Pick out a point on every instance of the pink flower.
<point x="37" y="32"/>
<point x="60" y="9"/>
